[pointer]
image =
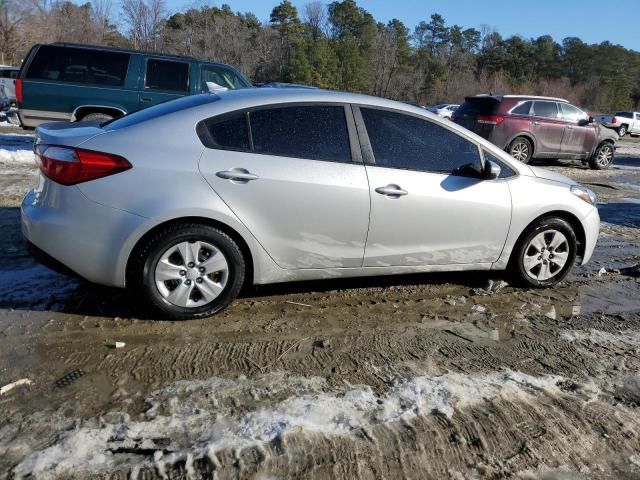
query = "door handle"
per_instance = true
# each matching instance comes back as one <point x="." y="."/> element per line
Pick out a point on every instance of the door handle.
<point x="569" y="127"/>
<point x="240" y="175"/>
<point x="536" y="123"/>
<point x="391" y="191"/>
<point x="145" y="99"/>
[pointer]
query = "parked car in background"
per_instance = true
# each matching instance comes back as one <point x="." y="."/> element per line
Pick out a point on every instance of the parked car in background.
<point x="7" y="79"/>
<point x="530" y="127"/>
<point x="261" y="173"/>
<point x="622" y="122"/>
<point x="63" y="81"/>
<point x="444" y="109"/>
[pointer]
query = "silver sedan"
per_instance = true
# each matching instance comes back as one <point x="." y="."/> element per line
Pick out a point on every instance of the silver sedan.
<point x="187" y="201"/>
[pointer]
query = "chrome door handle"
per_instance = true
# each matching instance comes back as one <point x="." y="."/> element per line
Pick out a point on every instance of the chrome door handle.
<point x="239" y="174"/>
<point x="392" y="191"/>
<point x="536" y="123"/>
<point x="569" y="127"/>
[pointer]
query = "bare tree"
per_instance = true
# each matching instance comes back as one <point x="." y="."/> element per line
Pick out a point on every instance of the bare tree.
<point x="145" y="22"/>
<point x="314" y="14"/>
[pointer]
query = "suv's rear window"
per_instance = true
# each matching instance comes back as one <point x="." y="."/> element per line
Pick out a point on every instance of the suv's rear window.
<point x="79" y="65"/>
<point x="624" y="114"/>
<point x="478" y="106"/>
<point x="167" y="75"/>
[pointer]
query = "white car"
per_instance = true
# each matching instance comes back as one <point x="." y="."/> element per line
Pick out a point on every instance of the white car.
<point x="444" y="109"/>
<point x="622" y="122"/>
<point x="187" y="201"/>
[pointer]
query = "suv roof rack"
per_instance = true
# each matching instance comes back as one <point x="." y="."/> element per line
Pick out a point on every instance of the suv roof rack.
<point x="539" y="97"/>
<point x="123" y="50"/>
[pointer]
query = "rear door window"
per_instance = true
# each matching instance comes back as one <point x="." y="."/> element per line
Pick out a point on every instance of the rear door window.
<point x="227" y="132"/>
<point x="522" y="109"/>
<point x="79" y="65"/>
<point x="407" y="142"/>
<point x="546" y="110"/>
<point x="624" y="114"/>
<point x="166" y="75"/>
<point x="316" y="132"/>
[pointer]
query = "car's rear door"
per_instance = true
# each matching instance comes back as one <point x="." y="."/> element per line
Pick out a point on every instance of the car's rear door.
<point x="425" y="210"/>
<point x="164" y="80"/>
<point x="547" y="127"/>
<point x="293" y="181"/>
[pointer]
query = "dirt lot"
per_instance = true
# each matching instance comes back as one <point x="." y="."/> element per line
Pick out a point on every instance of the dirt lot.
<point x="425" y="376"/>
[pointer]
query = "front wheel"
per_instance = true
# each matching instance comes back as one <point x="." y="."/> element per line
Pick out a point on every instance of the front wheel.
<point x="521" y="149"/>
<point x="189" y="271"/>
<point x="603" y="157"/>
<point x="545" y="253"/>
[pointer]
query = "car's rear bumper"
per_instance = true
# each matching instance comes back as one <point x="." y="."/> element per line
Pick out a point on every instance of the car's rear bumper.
<point x="591" y="224"/>
<point x="70" y="232"/>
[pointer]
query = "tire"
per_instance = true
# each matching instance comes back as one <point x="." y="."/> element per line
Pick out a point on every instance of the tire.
<point x="602" y="158"/>
<point x="92" y="117"/>
<point x="622" y="131"/>
<point x="172" y="280"/>
<point x="521" y="149"/>
<point x="527" y="259"/>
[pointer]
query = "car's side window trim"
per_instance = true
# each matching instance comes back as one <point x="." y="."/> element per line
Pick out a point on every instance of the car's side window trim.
<point x="354" y="146"/>
<point x="367" y="149"/>
<point x="502" y="163"/>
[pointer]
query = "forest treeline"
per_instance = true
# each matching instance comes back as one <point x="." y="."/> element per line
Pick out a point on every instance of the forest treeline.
<point x="339" y="45"/>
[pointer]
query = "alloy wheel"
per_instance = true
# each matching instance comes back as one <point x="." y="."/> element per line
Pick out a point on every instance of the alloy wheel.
<point x="520" y="151"/>
<point x="605" y="155"/>
<point x="191" y="274"/>
<point x="546" y="255"/>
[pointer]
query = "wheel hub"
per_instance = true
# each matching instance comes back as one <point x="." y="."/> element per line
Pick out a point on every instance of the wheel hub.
<point x="192" y="274"/>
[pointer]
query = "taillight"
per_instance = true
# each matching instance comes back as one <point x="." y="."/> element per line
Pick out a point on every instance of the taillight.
<point x="18" y="84"/>
<point x="69" y="166"/>
<point x="490" y="119"/>
<point x="613" y="120"/>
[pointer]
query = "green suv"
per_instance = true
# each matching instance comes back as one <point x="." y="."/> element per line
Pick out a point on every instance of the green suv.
<point x="63" y="81"/>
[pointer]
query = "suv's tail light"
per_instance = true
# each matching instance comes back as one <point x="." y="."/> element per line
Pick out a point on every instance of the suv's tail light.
<point x="613" y="120"/>
<point x="69" y="166"/>
<point x="490" y="119"/>
<point x="18" y="84"/>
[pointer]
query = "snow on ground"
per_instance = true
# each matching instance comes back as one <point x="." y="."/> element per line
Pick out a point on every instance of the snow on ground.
<point x="598" y="337"/>
<point x="16" y="149"/>
<point x="199" y="418"/>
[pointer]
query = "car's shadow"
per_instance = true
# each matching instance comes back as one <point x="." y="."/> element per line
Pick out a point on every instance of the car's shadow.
<point x="28" y="286"/>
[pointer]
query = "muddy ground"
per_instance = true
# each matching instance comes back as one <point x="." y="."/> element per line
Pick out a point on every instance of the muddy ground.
<point x="453" y="376"/>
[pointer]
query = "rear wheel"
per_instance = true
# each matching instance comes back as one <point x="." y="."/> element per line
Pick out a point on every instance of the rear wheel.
<point x="622" y="131"/>
<point x="92" y="117"/>
<point x="602" y="157"/>
<point x="545" y="253"/>
<point x="521" y="149"/>
<point x="189" y="271"/>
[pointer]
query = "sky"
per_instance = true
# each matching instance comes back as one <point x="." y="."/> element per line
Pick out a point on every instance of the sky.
<point x="591" y="20"/>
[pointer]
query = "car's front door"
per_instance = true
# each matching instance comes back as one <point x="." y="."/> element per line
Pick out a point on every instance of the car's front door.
<point x="579" y="136"/>
<point x="164" y="80"/>
<point x="427" y="205"/>
<point x="288" y="173"/>
<point x="547" y="128"/>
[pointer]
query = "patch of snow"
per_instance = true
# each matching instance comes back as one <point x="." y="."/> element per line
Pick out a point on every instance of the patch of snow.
<point x="599" y="337"/>
<point x="200" y="418"/>
<point x="17" y="156"/>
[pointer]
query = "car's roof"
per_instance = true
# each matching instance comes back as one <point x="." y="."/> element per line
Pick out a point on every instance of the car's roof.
<point x="263" y="96"/>
<point x="128" y="50"/>
<point x="499" y="97"/>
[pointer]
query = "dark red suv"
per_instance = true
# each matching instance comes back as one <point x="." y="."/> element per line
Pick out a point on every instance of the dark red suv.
<point x="538" y="127"/>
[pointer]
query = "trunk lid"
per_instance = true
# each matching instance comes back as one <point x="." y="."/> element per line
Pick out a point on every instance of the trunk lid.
<point x="65" y="133"/>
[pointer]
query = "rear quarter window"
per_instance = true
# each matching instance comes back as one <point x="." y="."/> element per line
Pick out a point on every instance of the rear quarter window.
<point x="522" y="109"/>
<point x="79" y="65"/>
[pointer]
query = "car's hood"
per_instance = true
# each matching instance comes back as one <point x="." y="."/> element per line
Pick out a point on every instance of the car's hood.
<point x="549" y="175"/>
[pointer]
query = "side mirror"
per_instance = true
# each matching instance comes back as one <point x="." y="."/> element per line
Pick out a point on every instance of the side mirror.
<point x="585" y="121"/>
<point x="491" y="170"/>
